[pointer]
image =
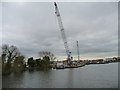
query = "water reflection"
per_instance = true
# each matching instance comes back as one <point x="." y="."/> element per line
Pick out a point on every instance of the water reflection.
<point x="70" y="78"/>
<point x="91" y="76"/>
<point x="31" y="69"/>
<point x="17" y="78"/>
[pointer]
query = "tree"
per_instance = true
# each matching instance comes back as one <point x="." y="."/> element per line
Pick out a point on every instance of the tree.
<point x="38" y="62"/>
<point x="31" y="62"/>
<point x="46" y="60"/>
<point x="42" y="64"/>
<point x="19" y="64"/>
<point x="9" y="53"/>
<point x="47" y="53"/>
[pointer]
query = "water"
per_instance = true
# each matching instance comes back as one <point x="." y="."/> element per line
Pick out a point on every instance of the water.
<point x="89" y="76"/>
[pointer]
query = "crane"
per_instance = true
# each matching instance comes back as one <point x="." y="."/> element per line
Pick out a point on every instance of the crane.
<point x="62" y="33"/>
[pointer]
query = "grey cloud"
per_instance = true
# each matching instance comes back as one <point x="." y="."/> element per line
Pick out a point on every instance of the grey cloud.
<point x="33" y="27"/>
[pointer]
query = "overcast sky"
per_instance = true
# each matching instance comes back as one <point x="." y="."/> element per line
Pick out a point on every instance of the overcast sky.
<point x="33" y="27"/>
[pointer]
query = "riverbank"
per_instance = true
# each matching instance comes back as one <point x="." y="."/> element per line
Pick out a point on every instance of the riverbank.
<point x="63" y="65"/>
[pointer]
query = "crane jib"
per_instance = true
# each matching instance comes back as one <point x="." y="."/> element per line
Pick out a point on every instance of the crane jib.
<point x="62" y="31"/>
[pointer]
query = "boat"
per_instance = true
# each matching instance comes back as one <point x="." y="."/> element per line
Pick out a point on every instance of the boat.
<point x="60" y="66"/>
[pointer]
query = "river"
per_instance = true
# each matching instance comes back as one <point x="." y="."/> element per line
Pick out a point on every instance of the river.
<point x="89" y="76"/>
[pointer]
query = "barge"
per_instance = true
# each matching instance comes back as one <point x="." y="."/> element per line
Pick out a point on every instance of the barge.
<point x="64" y="66"/>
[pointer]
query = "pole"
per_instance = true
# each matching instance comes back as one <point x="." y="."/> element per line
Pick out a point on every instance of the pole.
<point x="78" y="51"/>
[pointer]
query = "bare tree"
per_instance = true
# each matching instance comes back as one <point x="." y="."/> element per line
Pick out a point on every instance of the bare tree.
<point x="9" y="53"/>
<point x="47" y="53"/>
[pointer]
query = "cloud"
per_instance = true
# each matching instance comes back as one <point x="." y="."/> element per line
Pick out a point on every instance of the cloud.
<point x="33" y="27"/>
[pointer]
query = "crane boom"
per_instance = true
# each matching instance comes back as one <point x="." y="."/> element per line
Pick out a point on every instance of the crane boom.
<point x="62" y="31"/>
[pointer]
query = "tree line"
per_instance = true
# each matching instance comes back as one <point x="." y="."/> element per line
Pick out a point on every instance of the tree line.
<point x="14" y="61"/>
